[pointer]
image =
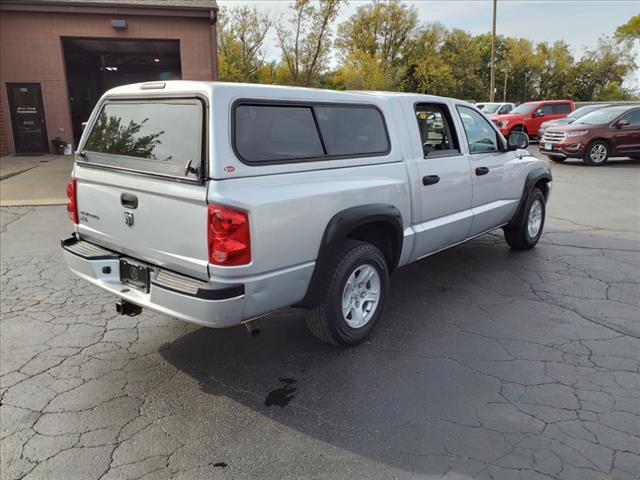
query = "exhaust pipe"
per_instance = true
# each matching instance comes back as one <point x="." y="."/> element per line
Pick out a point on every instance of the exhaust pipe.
<point x="252" y="327"/>
<point x="127" y="308"/>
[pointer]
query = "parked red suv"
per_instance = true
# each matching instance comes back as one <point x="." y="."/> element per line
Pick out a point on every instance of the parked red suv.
<point x="610" y="131"/>
<point x="528" y="117"/>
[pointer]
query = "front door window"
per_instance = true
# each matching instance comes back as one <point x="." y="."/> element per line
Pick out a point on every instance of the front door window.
<point x="481" y="136"/>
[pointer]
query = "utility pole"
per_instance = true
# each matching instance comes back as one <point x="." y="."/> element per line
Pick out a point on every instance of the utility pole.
<point x="504" y="92"/>
<point x="493" y="54"/>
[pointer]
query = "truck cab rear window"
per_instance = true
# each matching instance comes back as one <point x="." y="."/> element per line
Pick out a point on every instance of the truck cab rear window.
<point x="281" y="133"/>
<point x="159" y="137"/>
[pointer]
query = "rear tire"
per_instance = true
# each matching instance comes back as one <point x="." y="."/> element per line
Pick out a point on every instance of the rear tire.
<point x="557" y="159"/>
<point x="597" y="154"/>
<point x="527" y="234"/>
<point x="350" y="309"/>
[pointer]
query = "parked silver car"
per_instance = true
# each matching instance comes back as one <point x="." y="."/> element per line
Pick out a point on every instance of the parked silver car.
<point x="217" y="203"/>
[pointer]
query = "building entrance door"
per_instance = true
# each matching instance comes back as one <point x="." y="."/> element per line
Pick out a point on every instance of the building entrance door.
<point x="27" y="118"/>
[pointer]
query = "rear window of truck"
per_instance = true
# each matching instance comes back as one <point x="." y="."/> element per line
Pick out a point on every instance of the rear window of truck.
<point x="161" y="137"/>
<point x="264" y="133"/>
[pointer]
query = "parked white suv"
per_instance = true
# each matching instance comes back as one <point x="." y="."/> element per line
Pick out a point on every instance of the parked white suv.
<point x="218" y="203"/>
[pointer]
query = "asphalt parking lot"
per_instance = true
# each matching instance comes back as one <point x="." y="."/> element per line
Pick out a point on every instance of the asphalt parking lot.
<point x="490" y="363"/>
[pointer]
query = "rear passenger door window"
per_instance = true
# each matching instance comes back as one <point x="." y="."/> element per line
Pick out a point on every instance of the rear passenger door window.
<point x="561" y="108"/>
<point x="634" y="118"/>
<point x="436" y="132"/>
<point x="481" y="136"/>
<point x="264" y="133"/>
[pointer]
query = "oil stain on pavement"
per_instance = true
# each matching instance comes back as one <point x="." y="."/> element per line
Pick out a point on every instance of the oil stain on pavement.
<point x="281" y="397"/>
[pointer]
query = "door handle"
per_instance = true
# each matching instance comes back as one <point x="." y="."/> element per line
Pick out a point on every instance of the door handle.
<point x="129" y="200"/>
<point x="482" y="171"/>
<point x="430" y="179"/>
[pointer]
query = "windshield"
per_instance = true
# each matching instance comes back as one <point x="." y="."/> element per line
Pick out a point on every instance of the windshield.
<point x="582" y="111"/>
<point x="491" y="107"/>
<point x="599" y="117"/>
<point x="524" y="108"/>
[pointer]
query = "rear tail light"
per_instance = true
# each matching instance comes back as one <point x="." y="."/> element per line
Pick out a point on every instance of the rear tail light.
<point x="228" y="236"/>
<point x="72" y="206"/>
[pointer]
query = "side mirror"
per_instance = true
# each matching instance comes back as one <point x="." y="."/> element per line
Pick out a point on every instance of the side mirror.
<point x="538" y="113"/>
<point x="623" y="123"/>
<point x="517" y="140"/>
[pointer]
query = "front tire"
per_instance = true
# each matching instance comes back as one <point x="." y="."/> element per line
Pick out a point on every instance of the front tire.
<point x="356" y="294"/>
<point x="597" y="154"/>
<point x="527" y="234"/>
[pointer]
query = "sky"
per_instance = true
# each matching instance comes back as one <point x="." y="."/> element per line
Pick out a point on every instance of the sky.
<point x="578" y="22"/>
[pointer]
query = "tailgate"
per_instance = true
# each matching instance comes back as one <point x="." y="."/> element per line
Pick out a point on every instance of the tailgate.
<point x="167" y="228"/>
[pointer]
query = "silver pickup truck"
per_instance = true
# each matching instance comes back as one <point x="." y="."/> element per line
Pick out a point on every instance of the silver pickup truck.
<point x="218" y="203"/>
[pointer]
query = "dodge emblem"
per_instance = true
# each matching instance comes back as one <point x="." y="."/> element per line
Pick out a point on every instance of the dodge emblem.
<point x="128" y="219"/>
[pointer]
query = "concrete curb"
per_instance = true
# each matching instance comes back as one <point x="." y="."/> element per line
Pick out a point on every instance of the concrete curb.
<point x="34" y="202"/>
<point x="13" y="174"/>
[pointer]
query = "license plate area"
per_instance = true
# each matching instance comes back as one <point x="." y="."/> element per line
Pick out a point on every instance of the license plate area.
<point x="548" y="146"/>
<point x="135" y="274"/>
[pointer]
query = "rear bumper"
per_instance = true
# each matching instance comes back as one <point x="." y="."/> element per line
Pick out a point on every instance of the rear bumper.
<point x="169" y="293"/>
<point x="217" y="303"/>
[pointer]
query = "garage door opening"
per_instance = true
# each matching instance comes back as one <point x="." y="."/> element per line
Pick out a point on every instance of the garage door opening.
<point x="94" y="65"/>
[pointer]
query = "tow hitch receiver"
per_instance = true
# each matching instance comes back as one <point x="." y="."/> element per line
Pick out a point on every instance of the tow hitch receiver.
<point x="127" y="308"/>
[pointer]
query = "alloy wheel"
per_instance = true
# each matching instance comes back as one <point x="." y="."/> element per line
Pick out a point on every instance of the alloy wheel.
<point x="361" y="296"/>
<point x="598" y="153"/>
<point x="534" y="220"/>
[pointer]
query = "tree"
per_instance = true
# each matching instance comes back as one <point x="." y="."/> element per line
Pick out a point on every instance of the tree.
<point x="555" y="71"/>
<point x="380" y="28"/>
<point x="426" y="70"/>
<point x="466" y="57"/>
<point x="518" y="60"/>
<point x="383" y="46"/>
<point x="306" y="40"/>
<point x="242" y="34"/>
<point x="630" y="31"/>
<point x="602" y="71"/>
<point x="375" y="41"/>
<point x="363" y="71"/>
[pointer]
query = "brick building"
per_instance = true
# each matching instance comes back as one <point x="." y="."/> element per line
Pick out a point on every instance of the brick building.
<point x="58" y="57"/>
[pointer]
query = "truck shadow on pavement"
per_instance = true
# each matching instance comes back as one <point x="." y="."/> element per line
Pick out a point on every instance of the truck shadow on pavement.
<point x="487" y="362"/>
<point x="612" y="162"/>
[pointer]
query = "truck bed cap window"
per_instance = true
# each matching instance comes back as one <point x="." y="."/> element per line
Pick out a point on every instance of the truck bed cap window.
<point x="265" y="133"/>
<point x="352" y="130"/>
<point x="277" y="133"/>
<point x="153" y="136"/>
